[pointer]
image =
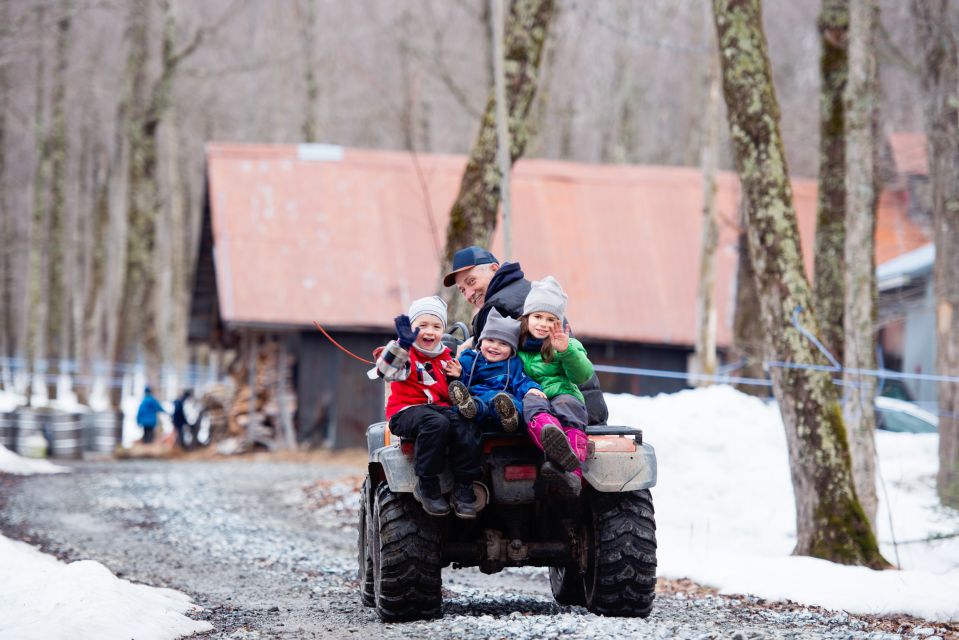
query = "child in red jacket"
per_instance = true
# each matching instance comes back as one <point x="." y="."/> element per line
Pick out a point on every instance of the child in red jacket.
<point x="416" y="365"/>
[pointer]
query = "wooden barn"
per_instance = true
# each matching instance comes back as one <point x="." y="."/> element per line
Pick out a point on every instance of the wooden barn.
<point x="294" y="234"/>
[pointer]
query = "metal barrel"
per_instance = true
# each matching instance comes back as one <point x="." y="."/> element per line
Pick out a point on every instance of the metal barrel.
<point x="102" y="431"/>
<point x="30" y="441"/>
<point x="66" y="435"/>
<point x="8" y="430"/>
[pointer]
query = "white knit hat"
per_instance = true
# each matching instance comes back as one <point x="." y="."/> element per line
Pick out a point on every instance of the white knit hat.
<point x="433" y="305"/>
<point x="546" y="295"/>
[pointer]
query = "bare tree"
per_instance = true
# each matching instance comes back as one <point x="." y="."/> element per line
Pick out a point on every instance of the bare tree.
<point x="862" y="145"/>
<point x="705" y="353"/>
<point x="473" y="217"/>
<point x="307" y="27"/>
<point x="828" y="288"/>
<point x="145" y="105"/>
<point x="936" y="29"/>
<point x="830" y="522"/>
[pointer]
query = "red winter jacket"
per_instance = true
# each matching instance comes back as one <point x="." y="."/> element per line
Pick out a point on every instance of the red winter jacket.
<point x="414" y="378"/>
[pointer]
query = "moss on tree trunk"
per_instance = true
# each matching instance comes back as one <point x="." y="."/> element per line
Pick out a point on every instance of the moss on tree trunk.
<point x="830" y="523"/>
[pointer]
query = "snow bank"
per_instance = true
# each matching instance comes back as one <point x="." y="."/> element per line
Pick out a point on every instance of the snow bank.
<point x="45" y="599"/>
<point x="726" y="512"/>
<point x="18" y="465"/>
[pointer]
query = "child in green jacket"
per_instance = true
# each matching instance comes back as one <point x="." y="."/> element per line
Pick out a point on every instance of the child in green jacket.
<point x="558" y="363"/>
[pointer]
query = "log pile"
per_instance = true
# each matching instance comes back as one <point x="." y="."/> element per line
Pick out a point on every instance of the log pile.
<point x="268" y="407"/>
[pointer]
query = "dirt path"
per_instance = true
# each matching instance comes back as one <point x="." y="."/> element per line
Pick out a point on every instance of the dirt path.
<point x="268" y="550"/>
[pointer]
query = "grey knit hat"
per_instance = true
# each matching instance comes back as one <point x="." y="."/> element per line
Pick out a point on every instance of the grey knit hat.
<point x="500" y="328"/>
<point x="433" y="305"/>
<point x="546" y="295"/>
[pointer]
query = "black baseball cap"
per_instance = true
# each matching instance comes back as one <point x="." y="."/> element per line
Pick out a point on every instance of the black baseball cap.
<point x="467" y="259"/>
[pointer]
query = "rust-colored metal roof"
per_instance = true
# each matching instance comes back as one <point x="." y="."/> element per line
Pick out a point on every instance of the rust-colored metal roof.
<point x="349" y="237"/>
<point x="909" y="153"/>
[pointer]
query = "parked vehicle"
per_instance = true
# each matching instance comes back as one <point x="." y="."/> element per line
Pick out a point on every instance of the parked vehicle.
<point x="904" y="417"/>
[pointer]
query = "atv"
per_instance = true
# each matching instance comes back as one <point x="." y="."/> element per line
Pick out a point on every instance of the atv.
<point x="600" y="546"/>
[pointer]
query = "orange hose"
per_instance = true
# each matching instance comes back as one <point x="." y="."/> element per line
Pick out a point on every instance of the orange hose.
<point x="339" y="346"/>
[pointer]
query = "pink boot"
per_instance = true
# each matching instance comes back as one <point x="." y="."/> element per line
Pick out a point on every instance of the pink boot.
<point x="578" y="441"/>
<point x="536" y="425"/>
<point x="548" y="434"/>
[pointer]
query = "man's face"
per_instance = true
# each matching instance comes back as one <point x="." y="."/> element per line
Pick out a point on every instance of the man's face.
<point x="472" y="283"/>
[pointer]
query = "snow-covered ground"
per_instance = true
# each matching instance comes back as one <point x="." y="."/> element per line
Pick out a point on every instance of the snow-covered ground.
<point x="726" y="512"/>
<point x="20" y="466"/>
<point x="45" y="599"/>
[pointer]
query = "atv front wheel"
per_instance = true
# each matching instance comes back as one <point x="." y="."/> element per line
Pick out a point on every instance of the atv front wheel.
<point x="621" y="569"/>
<point x="364" y="557"/>
<point x="407" y="574"/>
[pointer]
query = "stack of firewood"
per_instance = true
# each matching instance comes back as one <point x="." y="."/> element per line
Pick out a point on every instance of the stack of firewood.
<point x="268" y="410"/>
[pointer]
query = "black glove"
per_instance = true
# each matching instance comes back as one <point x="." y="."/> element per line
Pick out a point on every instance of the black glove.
<point x="406" y="334"/>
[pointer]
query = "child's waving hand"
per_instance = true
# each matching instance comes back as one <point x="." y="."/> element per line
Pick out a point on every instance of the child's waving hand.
<point x="559" y="337"/>
<point x="453" y="368"/>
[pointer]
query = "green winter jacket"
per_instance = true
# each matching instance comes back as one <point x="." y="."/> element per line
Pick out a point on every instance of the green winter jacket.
<point x="568" y="369"/>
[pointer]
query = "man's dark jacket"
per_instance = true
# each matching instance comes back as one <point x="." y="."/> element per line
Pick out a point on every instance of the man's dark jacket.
<point x="506" y="292"/>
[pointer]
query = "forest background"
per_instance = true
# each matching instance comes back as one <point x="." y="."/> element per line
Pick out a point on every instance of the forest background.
<point x="105" y="108"/>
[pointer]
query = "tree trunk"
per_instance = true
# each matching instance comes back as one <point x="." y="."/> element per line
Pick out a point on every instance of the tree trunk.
<point x="940" y="83"/>
<point x="747" y="349"/>
<point x="828" y="287"/>
<point x="7" y="317"/>
<point x="473" y="216"/>
<point x="705" y="355"/>
<point x="859" y="392"/>
<point x="307" y="29"/>
<point x="55" y="290"/>
<point x="135" y="312"/>
<point x="830" y="522"/>
<point x="39" y="232"/>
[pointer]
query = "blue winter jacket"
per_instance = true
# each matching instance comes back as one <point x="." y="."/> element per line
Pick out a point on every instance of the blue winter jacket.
<point x="147" y="413"/>
<point x="487" y="378"/>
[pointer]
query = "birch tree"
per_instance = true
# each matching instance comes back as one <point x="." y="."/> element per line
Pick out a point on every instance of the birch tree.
<point x="830" y="521"/>
<point x="859" y="391"/>
<point x="473" y="216"/>
<point x="829" y="252"/>
<point x="936" y="29"/>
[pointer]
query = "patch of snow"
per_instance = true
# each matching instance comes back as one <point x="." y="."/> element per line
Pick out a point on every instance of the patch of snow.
<point x="726" y="511"/>
<point x="43" y="598"/>
<point x="20" y="466"/>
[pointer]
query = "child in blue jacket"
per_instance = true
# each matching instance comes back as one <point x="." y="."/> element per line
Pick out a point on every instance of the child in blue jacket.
<point x="492" y="385"/>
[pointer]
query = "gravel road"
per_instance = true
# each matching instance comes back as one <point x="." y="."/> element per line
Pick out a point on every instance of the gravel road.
<point x="268" y="550"/>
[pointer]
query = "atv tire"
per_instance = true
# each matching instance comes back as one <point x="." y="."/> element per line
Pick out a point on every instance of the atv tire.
<point x="364" y="556"/>
<point x="567" y="586"/>
<point x="407" y="569"/>
<point x="621" y="569"/>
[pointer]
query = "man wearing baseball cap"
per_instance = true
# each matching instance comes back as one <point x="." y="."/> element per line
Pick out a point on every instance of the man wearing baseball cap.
<point x="486" y="284"/>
